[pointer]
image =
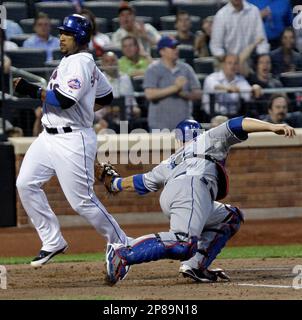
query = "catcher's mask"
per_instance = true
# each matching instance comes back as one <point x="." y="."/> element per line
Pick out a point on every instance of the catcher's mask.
<point x="79" y="26"/>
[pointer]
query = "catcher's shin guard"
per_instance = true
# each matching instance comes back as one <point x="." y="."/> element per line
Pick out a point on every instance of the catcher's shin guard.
<point x="222" y="234"/>
<point x="152" y="248"/>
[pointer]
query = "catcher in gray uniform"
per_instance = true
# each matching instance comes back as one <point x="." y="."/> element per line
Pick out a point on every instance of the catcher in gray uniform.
<point x="193" y="179"/>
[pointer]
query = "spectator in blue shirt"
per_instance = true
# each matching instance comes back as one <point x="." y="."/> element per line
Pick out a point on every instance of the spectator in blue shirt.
<point x="276" y="15"/>
<point x="42" y="39"/>
<point x="12" y="29"/>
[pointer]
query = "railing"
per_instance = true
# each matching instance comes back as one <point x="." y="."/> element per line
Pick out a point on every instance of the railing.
<point x="264" y="91"/>
<point x="255" y="107"/>
<point x="16" y="72"/>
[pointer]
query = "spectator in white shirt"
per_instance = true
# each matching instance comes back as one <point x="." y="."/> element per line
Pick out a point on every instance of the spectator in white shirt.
<point x="228" y="103"/>
<point x="237" y="25"/>
<point x="145" y="33"/>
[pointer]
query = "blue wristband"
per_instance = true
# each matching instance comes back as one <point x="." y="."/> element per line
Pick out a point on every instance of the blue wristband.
<point x="116" y="184"/>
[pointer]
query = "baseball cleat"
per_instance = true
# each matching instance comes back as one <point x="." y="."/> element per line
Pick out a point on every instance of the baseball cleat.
<point x="203" y="275"/>
<point x="116" y="270"/>
<point x="220" y="273"/>
<point x="45" y="256"/>
<point x="196" y="274"/>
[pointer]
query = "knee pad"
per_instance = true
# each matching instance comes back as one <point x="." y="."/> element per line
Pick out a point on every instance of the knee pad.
<point x="234" y="219"/>
<point x="182" y="248"/>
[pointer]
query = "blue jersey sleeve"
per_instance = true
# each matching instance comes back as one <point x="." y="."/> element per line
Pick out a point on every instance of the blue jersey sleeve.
<point x="235" y="125"/>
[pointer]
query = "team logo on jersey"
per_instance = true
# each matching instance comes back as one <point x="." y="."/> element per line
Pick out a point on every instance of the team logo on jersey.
<point x="74" y="84"/>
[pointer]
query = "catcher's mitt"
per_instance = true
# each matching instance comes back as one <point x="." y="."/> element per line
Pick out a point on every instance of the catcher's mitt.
<point x="106" y="173"/>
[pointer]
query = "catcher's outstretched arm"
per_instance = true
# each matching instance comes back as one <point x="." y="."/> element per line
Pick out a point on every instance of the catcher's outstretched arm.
<point x="128" y="184"/>
<point x="131" y="183"/>
<point x="253" y="125"/>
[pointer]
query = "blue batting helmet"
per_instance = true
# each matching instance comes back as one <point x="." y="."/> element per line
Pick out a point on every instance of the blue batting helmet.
<point x="187" y="130"/>
<point x="79" y="26"/>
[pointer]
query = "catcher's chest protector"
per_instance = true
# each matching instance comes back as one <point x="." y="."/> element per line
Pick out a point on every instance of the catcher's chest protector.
<point x="223" y="181"/>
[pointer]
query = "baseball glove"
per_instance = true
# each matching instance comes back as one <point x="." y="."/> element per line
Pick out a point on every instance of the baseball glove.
<point x="106" y="173"/>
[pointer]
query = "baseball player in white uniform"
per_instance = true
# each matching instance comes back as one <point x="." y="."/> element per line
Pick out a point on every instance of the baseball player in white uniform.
<point x="193" y="178"/>
<point x="67" y="146"/>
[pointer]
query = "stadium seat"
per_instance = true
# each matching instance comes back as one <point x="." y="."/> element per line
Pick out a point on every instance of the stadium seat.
<point x="28" y="24"/>
<point x="21" y="113"/>
<point x="55" y="10"/>
<point x="201" y="77"/>
<point x="186" y="53"/>
<point x="116" y="24"/>
<point x="101" y="25"/>
<point x="16" y="10"/>
<point x="57" y="55"/>
<point x="27" y="58"/>
<point x="154" y="9"/>
<point x="6" y="85"/>
<point x="168" y="23"/>
<point x="204" y="65"/>
<point x="138" y="83"/>
<point x="20" y="38"/>
<point x="199" y="8"/>
<point x="103" y="9"/>
<point x="291" y="79"/>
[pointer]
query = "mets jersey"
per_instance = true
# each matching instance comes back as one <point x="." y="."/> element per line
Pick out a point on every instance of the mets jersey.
<point x="77" y="77"/>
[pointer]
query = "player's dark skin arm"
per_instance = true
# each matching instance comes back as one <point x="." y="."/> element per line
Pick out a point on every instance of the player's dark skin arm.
<point x="104" y="101"/>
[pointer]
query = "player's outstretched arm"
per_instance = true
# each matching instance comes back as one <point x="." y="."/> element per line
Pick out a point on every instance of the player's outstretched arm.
<point x="114" y="183"/>
<point x="131" y="183"/>
<point x="143" y="183"/>
<point x="253" y="125"/>
<point x="127" y="184"/>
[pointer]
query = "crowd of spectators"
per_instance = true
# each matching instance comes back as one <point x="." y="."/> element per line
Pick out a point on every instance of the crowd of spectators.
<point x="251" y="43"/>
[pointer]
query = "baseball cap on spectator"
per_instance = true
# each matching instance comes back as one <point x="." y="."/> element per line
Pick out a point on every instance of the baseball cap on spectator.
<point x="167" y="42"/>
<point x="125" y="6"/>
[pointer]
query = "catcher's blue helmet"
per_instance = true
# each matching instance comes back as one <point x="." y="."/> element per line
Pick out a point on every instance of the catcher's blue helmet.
<point x="79" y="26"/>
<point x="187" y="130"/>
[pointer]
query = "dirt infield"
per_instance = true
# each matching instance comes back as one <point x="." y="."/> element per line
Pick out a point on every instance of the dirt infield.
<point x="25" y="242"/>
<point x="156" y="280"/>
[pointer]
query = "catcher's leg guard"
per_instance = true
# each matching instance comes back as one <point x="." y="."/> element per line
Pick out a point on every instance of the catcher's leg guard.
<point x="152" y="248"/>
<point x="218" y="237"/>
<point x="145" y="249"/>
